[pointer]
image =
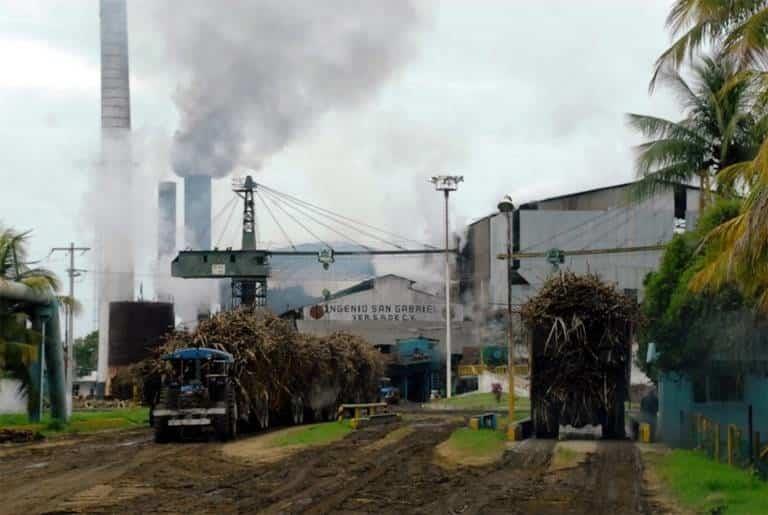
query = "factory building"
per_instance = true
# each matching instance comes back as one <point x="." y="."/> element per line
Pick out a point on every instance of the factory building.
<point x="600" y="231"/>
<point x="596" y="224"/>
<point x="394" y="315"/>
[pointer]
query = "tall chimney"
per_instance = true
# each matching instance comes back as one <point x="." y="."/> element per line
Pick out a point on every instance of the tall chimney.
<point x="114" y="243"/>
<point x="166" y="223"/>
<point x="197" y="212"/>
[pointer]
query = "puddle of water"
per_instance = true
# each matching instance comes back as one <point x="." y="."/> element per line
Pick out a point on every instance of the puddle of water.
<point x="130" y="443"/>
<point x="37" y="465"/>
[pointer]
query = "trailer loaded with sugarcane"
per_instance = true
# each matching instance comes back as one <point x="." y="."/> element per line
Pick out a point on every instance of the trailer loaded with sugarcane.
<point x="248" y="369"/>
<point x="580" y="331"/>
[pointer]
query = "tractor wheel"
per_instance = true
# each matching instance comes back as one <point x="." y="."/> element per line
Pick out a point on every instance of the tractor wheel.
<point x="548" y="427"/>
<point x="262" y="418"/>
<point x="613" y="425"/>
<point x="297" y="410"/>
<point x="163" y="433"/>
<point x="225" y="425"/>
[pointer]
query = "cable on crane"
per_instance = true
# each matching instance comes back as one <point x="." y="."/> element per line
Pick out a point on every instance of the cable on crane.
<point x="226" y="225"/>
<point x="319" y="211"/>
<point x="274" y="218"/>
<point x="310" y="217"/>
<point x="318" y="238"/>
<point x="331" y="213"/>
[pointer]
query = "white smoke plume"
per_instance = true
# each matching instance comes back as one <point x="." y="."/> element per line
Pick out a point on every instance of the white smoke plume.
<point x="254" y="74"/>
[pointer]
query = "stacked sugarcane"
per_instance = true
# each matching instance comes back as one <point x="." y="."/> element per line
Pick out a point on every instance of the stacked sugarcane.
<point x="274" y="366"/>
<point x="580" y="331"/>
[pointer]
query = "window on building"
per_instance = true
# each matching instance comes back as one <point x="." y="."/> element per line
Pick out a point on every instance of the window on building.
<point x="724" y="387"/>
<point x="681" y="201"/>
<point x="700" y="389"/>
<point x="718" y="387"/>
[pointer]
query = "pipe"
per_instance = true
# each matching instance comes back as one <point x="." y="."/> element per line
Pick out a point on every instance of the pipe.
<point x="44" y="311"/>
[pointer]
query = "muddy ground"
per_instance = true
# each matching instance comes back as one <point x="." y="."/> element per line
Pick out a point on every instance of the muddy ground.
<point x="367" y="472"/>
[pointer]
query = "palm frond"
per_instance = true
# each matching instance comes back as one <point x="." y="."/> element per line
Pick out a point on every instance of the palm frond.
<point x="655" y="127"/>
<point x="748" y="41"/>
<point x="680" y="50"/>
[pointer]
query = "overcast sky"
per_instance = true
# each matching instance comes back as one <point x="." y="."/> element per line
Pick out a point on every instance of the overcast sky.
<point x="525" y="98"/>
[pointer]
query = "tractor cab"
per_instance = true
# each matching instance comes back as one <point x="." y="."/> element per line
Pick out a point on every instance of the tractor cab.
<point x="196" y="393"/>
<point x="196" y="369"/>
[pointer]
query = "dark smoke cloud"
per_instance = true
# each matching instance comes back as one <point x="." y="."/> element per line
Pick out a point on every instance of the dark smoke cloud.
<point x="253" y="74"/>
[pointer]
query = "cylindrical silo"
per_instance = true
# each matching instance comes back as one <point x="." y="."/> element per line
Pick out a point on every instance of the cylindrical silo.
<point x="136" y="329"/>
<point x="166" y="222"/>
<point x="197" y="212"/>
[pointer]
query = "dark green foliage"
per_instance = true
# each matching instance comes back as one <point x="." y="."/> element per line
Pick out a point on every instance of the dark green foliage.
<point x="86" y="353"/>
<point x="689" y="328"/>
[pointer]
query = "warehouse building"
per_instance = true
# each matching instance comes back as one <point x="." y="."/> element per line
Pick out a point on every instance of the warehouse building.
<point x="583" y="232"/>
<point x="601" y="231"/>
<point x="383" y="309"/>
<point x="392" y="313"/>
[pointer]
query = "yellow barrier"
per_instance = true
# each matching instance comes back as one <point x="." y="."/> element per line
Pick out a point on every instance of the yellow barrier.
<point x="474" y="423"/>
<point x="645" y="432"/>
<point x="733" y="438"/>
<point x="476" y="370"/>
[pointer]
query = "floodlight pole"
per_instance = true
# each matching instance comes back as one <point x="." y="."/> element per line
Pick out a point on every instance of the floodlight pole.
<point x="507" y="207"/>
<point x="447" y="184"/>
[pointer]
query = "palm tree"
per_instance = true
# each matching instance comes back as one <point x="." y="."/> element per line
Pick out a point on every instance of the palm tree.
<point x="18" y="346"/>
<point x="739" y="247"/>
<point x="739" y="27"/>
<point x="722" y="125"/>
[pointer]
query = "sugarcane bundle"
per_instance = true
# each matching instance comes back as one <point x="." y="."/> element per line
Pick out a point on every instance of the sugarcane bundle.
<point x="580" y="330"/>
<point x="274" y="366"/>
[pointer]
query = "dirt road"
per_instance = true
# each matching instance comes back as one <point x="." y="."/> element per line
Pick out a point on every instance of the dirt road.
<point x="371" y="471"/>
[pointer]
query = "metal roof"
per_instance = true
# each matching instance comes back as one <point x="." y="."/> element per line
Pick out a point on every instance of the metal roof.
<point x="200" y="353"/>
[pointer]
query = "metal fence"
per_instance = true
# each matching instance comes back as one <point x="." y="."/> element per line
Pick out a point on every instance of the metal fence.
<point x="729" y="443"/>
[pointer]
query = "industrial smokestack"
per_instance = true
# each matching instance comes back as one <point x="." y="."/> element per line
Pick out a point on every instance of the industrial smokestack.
<point x="197" y="211"/>
<point x="115" y="88"/>
<point x="113" y="225"/>
<point x="166" y="223"/>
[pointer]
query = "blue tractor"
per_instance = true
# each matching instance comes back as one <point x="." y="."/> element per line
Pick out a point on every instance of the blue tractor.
<point x="196" y="395"/>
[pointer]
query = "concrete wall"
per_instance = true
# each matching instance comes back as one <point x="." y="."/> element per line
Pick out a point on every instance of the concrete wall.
<point x="676" y="405"/>
<point x="10" y="400"/>
<point x="391" y="299"/>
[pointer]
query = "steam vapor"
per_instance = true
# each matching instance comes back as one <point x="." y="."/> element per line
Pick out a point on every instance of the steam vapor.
<point x="254" y="74"/>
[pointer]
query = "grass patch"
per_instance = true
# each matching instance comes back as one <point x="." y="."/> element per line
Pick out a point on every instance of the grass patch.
<point x="473" y="447"/>
<point x="314" y="434"/>
<point x="480" y="442"/>
<point x="485" y="401"/>
<point x="85" y="421"/>
<point x="705" y="486"/>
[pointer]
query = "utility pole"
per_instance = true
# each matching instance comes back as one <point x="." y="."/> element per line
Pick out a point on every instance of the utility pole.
<point x="507" y="207"/>
<point x="447" y="184"/>
<point x="70" y="336"/>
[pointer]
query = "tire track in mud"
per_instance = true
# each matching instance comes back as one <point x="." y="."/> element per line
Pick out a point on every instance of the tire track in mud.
<point x="366" y="472"/>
